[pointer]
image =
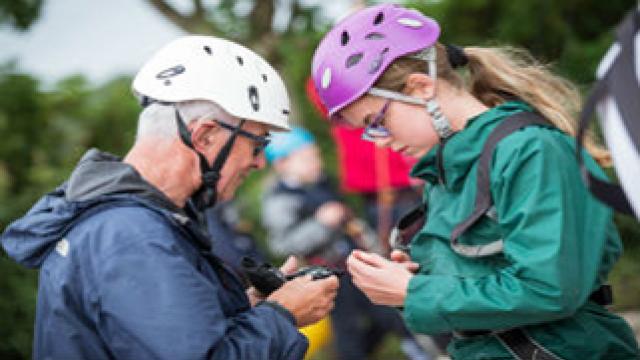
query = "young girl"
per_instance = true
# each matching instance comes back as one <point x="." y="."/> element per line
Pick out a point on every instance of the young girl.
<point x="526" y="279"/>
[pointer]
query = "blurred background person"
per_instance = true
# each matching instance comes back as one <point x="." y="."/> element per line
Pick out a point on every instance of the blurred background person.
<point x="305" y="216"/>
<point x="379" y="176"/>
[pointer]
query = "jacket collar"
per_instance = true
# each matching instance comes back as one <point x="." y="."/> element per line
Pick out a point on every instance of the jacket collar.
<point x="463" y="149"/>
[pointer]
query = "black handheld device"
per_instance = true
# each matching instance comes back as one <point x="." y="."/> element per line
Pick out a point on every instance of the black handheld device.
<point x="266" y="278"/>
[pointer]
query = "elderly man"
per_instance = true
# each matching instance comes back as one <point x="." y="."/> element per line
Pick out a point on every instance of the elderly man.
<point x="125" y="270"/>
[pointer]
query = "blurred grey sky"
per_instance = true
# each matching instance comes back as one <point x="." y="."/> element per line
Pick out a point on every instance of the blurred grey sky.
<point x="99" y="39"/>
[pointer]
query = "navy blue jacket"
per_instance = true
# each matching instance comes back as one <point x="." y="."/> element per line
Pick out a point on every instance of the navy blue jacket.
<point x="125" y="274"/>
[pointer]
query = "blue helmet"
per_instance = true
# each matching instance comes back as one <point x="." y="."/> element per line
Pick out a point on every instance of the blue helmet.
<point x="284" y="143"/>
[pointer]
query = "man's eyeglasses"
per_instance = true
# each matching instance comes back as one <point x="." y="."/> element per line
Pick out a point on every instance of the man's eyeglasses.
<point x="260" y="142"/>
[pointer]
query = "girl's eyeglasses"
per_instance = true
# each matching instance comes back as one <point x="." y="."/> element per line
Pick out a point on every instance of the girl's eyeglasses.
<point x="374" y="129"/>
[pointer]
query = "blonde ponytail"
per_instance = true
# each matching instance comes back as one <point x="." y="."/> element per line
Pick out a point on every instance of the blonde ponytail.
<point x="496" y="74"/>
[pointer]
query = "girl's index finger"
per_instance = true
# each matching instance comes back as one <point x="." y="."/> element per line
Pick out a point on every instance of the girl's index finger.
<point x="370" y="259"/>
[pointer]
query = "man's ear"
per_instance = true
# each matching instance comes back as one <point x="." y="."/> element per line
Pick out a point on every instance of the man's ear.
<point x="420" y="85"/>
<point x="203" y="135"/>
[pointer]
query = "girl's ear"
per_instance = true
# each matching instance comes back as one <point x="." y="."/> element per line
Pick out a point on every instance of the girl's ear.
<point x="420" y="85"/>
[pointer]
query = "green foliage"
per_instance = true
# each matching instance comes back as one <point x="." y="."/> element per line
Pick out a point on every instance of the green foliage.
<point x="20" y="14"/>
<point x="18" y="287"/>
<point x="573" y="34"/>
<point x="44" y="134"/>
<point x="624" y="276"/>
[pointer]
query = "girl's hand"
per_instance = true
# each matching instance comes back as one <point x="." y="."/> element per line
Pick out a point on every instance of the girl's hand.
<point x="384" y="282"/>
<point x="403" y="258"/>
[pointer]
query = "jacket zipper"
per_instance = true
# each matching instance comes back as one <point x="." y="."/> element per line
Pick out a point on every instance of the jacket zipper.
<point x="440" y="162"/>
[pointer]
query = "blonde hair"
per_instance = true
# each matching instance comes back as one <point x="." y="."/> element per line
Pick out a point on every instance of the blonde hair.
<point x="497" y="75"/>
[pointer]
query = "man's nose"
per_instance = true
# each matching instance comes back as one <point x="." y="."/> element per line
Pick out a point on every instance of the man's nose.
<point x="260" y="161"/>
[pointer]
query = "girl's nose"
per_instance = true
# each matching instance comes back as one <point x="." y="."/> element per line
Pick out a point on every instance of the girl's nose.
<point x="383" y="142"/>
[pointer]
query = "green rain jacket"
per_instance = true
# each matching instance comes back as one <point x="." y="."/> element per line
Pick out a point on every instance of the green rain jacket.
<point x="559" y="244"/>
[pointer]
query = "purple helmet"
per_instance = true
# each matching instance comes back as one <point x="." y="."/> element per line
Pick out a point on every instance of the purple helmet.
<point x="357" y="50"/>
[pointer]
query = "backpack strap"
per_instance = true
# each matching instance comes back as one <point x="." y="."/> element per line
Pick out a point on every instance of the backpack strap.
<point x="524" y="347"/>
<point x="483" y="201"/>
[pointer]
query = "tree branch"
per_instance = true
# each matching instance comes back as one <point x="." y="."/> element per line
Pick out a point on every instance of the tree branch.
<point x="196" y="22"/>
<point x="199" y="12"/>
<point x="169" y="13"/>
<point x="262" y="38"/>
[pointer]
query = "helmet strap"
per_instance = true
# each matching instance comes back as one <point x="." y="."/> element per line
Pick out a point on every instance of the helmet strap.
<point x="206" y="196"/>
<point x="428" y="55"/>
<point x="440" y="122"/>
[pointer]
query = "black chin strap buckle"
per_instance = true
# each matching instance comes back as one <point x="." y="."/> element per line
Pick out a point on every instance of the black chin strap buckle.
<point x="210" y="178"/>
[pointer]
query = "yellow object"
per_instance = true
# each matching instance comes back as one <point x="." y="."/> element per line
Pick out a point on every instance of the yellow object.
<point x="318" y="334"/>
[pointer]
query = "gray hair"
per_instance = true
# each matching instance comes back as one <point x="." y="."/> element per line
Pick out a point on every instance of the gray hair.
<point x="158" y="120"/>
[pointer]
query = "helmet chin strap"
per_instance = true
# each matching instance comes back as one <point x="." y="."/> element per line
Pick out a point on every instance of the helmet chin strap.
<point x="206" y="195"/>
<point x="440" y="122"/>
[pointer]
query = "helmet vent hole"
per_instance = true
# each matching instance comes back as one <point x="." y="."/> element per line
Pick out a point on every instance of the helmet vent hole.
<point x="344" y="38"/>
<point x="240" y="61"/>
<point x="264" y="77"/>
<point x="254" y="99"/>
<point x="326" y="78"/>
<point x="412" y="23"/>
<point x="377" y="62"/>
<point x="379" y="19"/>
<point x="171" y="72"/>
<point x="207" y="50"/>
<point x="353" y="59"/>
<point x="374" y="36"/>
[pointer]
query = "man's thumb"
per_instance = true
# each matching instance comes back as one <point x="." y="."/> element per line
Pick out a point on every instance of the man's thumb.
<point x="290" y="266"/>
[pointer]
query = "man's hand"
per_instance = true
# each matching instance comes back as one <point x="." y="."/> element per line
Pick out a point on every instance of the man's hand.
<point x="289" y="267"/>
<point x="384" y="282"/>
<point x="306" y="299"/>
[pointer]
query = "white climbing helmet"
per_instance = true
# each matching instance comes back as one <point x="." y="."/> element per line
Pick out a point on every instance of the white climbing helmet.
<point x="198" y="67"/>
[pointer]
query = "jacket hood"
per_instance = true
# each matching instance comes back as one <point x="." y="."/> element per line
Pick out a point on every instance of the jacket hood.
<point x="463" y="149"/>
<point x="99" y="178"/>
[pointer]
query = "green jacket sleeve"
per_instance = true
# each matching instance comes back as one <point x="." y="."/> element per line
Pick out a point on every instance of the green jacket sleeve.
<point x="557" y="239"/>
